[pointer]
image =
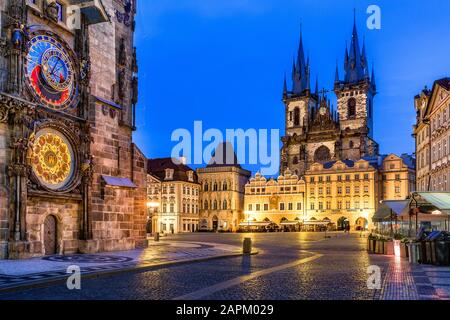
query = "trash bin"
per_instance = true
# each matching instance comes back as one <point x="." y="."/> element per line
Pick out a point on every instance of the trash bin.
<point x="414" y="252"/>
<point x="442" y="253"/>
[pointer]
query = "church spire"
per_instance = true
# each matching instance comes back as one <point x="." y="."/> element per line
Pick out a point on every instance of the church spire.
<point x="301" y="70"/>
<point x="336" y="76"/>
<point x="355" y="60"/>
<point x="372" y="78"/>
<point x="285" y="90"/>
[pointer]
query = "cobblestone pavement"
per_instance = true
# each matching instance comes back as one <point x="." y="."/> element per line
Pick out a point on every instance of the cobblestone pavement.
<point x="289" y="266"/>
<point x="26" y="272"/>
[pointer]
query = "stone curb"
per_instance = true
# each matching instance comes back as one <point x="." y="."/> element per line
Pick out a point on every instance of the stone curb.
<point x="136" y="269"/>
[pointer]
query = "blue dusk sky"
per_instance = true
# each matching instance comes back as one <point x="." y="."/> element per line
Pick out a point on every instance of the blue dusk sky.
<point x="223" y="61"/>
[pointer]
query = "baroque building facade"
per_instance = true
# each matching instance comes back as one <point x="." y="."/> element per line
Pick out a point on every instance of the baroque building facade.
<point x="432" y="134"/>
<point x="222" y="197"/>
<point x="72" y="179"/>
<point x="173" y="197"/>
<point x="336" y="194"/>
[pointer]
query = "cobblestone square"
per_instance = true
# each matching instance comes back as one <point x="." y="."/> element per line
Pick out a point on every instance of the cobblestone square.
<point x="288" y="266"/>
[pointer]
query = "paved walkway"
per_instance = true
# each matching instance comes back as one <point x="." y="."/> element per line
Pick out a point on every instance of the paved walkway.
<point x="403" y="281"/>
<point x="19" y="273"/>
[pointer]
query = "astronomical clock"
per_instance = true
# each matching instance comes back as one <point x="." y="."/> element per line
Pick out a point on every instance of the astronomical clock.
<point x="51" y="71"/>
<point x="52" y="81"/>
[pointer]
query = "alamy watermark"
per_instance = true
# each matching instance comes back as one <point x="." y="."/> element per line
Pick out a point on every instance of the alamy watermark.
<point x="374" y="279"/>
<point x="251" y="146"/>
<point x="374" y="19"/>
<point x="74" y="280"/>
<point x="73" y="12"/>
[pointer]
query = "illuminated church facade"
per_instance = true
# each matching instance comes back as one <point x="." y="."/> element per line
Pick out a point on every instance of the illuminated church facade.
<point x="72" y="179"/>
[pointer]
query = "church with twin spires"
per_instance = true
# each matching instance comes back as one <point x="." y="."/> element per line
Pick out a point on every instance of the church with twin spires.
<point x="316" y="132"/>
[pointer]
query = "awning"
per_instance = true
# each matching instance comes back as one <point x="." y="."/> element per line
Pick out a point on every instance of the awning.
<point x="255" y="224"/>
<point x="290" y="223"/>
<point x="388" y="208"/>
<point x="440" y="200"/>
<point x="118" y="182"/>
<point x="316" y="223"/>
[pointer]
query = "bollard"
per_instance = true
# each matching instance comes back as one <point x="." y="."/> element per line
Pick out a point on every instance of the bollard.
<point x="247" y="246"/>
<point x="157" y="237"/>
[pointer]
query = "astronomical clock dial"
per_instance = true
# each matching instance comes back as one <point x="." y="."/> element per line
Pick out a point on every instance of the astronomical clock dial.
<point x="52" y="159"/>
<point x="50" y="71"/>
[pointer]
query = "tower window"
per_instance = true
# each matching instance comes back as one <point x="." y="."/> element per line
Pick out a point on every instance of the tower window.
<point x="351" y="144"/>
<point x="295" y="161"/>
<point x="351" y="108"/>
<point x="297" y="117"/>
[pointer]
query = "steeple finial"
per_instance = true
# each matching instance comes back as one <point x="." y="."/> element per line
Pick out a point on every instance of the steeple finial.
<point x="316" y="90"/>
<point x="285" y="90"/>
<point x="336" y="77"/>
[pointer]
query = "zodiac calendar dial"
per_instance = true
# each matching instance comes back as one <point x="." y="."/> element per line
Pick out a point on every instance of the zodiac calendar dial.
<point x="51" y="71"/>
<point x="52" y="159"/>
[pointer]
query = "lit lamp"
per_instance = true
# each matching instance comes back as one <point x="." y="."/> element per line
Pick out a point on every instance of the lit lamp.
<point x="152" y="205"/>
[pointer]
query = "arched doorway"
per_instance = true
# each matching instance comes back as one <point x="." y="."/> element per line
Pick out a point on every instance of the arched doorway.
<point x="343" y="223"/>
<point x="50" y="235"/>
<point x="215" y="223"/>
<point x="362" y="224"/>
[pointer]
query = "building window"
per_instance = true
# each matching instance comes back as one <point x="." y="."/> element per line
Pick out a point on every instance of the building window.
<point x="282" y="207"/>
<point x="299" y="206"/>
<point x="250" y="207"/>
<point x="266" y="207"/>
<point x="397" y="190"/>
<point x="258" y="207"/>
<point x="313" y="207"/>
<point x="351" y="108"/>
<point x="225" y="205"/>
<point x="169" y="174"/>
<point x="297" y="116"/>
<point x="328" y="205"/>
<point x="339" y="190"/>
<point x="348" y="205"/>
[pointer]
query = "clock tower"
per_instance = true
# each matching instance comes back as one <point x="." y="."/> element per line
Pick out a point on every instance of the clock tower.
<point x="72" y="179"/>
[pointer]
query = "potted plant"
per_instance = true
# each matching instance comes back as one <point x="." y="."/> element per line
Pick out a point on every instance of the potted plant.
<point x="389" y="247"/>
<point x="379" y="248"/>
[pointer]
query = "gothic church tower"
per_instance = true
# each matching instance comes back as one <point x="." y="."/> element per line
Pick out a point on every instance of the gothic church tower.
<point x="355" y="94"/>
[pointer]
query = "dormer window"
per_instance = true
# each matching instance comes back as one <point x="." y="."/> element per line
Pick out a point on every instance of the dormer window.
<point x="169" y="174"/>
<point x="190" y="175"/>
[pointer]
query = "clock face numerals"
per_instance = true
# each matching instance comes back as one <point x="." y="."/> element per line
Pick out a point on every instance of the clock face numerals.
<point x="50" y="72"/>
